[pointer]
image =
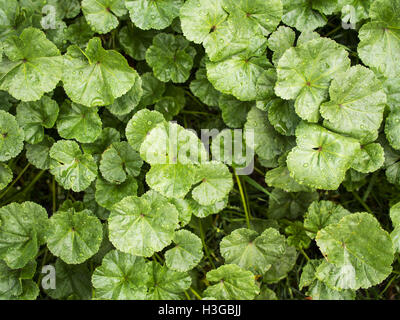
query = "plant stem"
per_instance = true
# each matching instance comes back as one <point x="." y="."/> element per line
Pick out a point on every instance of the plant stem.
<point x="196" y="294"/>
<point x="362" y="202"/>
<point x="245" y="207"/>
<point x="204" y="244"/>
<point x="15" y="180"/>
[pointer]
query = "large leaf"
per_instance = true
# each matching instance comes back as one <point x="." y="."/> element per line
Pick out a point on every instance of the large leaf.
<point x="33" y="65"/>
<point x="187" y="252"/>
<point x="301" y="15"/>
<point x="72" y="169"/>
<point x="280" y="268"/>
<point x="22" y="230"/>
<point x="171" y="57"/>
<point x="379" y="45"/>
<point x="121" y="276"/>
<point x="281" y="40"/>
<point x="33" y="117"/>
<point x="359" y="252"/>
<point x="107" y="194"/>
<point x="142" y="226"/>
<point x="102" y="14"/>
<point x="78" y="122"/>
<point x="74" y="236"/>
<point x="11" y="136"/>
<point x="231" y="283"/>
<point x="355" y="110"/>
<point x="305" y="73"/>
<point x="153" y="14"/>
<point x="321" y="157"/>
<point x="96" y="77"/>
<point x="252" y="251"/>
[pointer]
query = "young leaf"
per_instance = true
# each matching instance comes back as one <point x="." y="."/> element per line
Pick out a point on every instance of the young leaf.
<point x="39" y="154"/>
<point x="135" y="41"/>
<point x="369" y="158"/>
<point x="6" y="175"/>
<point x="301" y="15"/>
<point x="11" y="137"/>
<point x="107" y="194"/>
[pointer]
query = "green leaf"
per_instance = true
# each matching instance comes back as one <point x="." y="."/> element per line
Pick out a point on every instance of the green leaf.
<point x="74" y="236"/>
<point x="301" y="15"/>
<point x="107" y="137"/>
<point x="78" y="122"/>
<point x="395" y="217"/>
<point x="142" y="226"/>
<point x="11" y="137"/>
<point x="305" y="73"/>
<point x="280" y="268"/>
<point x="79" y="32"/>
<point x="135" y="41"/>
<point x="6" y="175"/>
<point x="297" y="236"/>
<point x="140" y="125"/>
<point x="108" y="194"/>
<point x="252" y="251"/>
<point x="245" y="76"/>
<point x="103" y="15"/>
<point x="280" y="178"/>
<point x="203" y="89"/>
<point x="356" y="110"/>
<point x="39" y="154"/>
<point x="33" y="117"/>
<point x="11" y="281"/>
<point x="234" y="112"/>
<point x="392" y="129"/>
<point x="121" y="276"/>
<point x="71" y="280"/>
<point x="322" y="214"/>
<point x="89" y="200"/>
<point x="22" y="231"/>
<point x="120" y="161"/>
<point x="153" y="14"/>
<point x="171" y="57"/>
<point x="153" y="89"/>
<point x="171" y="103"/>
<point x="9" y="11"/>
<point x="33" y="65"/>
<point x="72" y="169"/>
<point x="187" y="252"/>
<point x="279" y="41"/>
<point x="359" y="251"/>
<point x="369" y="158"/>
<point x="354" y="11"/>
<point x="379" y="39"/>
<point x="166" y="284"/>
<point x="215" y="183"/>
<point x="232" y="283"/>
<point x="204" y="211"/>
<point x="96" y="77"/>
<point x="321" y="157"/>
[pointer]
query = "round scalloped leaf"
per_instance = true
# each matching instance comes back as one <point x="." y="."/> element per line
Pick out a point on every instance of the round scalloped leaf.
<point x="11" y="137"/>
<point x="215" y="183"/>
<point x="279" y="41"/>
<point x="33" y="65"/>
<point x="301" y="15"/>
<point x="79" y="122"/>
<point x="200" y="18"/>
<point x="305" y="73"/>
<point x="89" y="200"/>
<point x="23" y="229"/>
<point x="321" y="214"/>
<point x="33" y="117"/>
<point x="185" y="210"/>
<point x="280" y="178"/>
<point x="140" y="125"/>
<point x="321" y="157"/>
<point x="96" y="77"/>
<point x="282" y="115"/>
<point x="392" y="129"/>
<point x="153" y="89"/>
<point x="120" y="161"/>
<point x="153" y="14"/>
<point x="267" y="142"/>
<point x="121" y="276"/>
<point x="379" y="45"/>
<point x="246" y="77"/>
<point x="204" y="211"/>
<point x="203" y="89"/>
<point x="79" y="32"/>
<point x="108" y="194"/>
<point x="103" y="15"/>
<point x="72" y="169"/>
<point x="395" y="234"/>
<point x="359" y="251"/>
<point x="354" y="11"/>
<point x="234" y="112"/>
<point x="39" y="154"/>
<point x="171" y="57"/>
<point x="252" y="251"/>
<point x="166" y="284"/>
<point x="171" y="103"/>
<point x="369" y="158"/>
<point x="135" y="41"/>
<point x="355" y="110"/>
<point x="280" y="268"/>
<point x="6" y="175"/>
<point x="142" y="226"/>
<point x="12" y="281"/>
<point x="107" y="137"/>
<point x="232" y="283"/>
<point x="74" y="236"/>
<point x="9" y="10"/>
<point x="187" y="252"/>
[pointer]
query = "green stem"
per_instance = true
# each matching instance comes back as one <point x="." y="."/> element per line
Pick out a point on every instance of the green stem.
<point x="258" y="186"/>
<point x="304" y="254"/>
<point x="196" y="294"/>
<point x="245" y="207"/>
<point x="54" y="192"/>
<point x="15" y="181"/>
<point x="204" y="244"/>
<point x="361" y="202"/>
<point x="370" y="186"/>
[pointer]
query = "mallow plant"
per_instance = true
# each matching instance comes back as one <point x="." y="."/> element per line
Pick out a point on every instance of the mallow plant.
<point x="199" y="149"/>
